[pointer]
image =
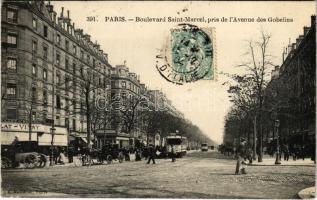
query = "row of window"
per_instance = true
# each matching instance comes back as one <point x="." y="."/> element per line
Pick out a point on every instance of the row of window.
<point x="12" y="16"/>
<point x="12" y="115"/>
<point x="124" y="86"/>
<point x="11" y="93"/>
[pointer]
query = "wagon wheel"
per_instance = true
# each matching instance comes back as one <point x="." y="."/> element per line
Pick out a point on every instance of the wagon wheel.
<point x="120" y="157"/>
<point x="5" y="163"/>
<point x="31" y="161"/>
<point x="109" y="159"/>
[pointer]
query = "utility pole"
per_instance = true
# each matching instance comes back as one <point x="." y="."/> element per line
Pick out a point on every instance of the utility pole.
<point x="53" y="106"/>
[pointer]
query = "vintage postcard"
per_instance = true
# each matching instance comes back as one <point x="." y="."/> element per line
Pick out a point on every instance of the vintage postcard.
<point x="158" y="99"/>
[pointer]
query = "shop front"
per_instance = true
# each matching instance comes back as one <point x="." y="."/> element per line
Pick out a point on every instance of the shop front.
<point x="42" y="134"/>
<point x="112" y="137"/>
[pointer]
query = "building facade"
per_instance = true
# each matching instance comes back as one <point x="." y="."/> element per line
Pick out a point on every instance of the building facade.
<point x="53" y="78"/>
<point x="290" y="95"/>
<point x="44" y="60"/>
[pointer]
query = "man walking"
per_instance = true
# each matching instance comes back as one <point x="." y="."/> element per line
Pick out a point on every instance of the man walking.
<point x="240" y="167"/>
<point x="151" y="154"/>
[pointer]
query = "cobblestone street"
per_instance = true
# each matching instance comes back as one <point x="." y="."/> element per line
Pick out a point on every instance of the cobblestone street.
<point x="198" y="175"/>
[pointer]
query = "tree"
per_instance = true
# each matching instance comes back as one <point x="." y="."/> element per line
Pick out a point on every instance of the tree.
<point x="257" y="63"/>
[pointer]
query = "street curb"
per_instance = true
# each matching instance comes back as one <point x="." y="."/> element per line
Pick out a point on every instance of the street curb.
<point x="307" y="193"/>
<point x="262" y="165"/>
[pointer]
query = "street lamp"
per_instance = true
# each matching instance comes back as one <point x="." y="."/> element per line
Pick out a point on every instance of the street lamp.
<point x="52" y="146"/>
<point x="277" y="160"/>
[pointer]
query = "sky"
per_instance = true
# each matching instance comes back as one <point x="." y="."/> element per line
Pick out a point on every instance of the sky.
<point x="204" y="102"/>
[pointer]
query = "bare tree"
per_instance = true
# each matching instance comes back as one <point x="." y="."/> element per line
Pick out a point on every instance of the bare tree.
<point x="258" y="62"/>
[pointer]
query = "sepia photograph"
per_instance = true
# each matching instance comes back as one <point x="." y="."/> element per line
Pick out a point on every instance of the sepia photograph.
<point x="158" y="99"/>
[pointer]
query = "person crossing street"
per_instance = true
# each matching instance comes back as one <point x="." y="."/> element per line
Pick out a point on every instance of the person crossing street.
<point x="151" y="151"/>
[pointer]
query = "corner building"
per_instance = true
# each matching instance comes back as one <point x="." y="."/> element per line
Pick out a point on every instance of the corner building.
<point x="43" y="60"/>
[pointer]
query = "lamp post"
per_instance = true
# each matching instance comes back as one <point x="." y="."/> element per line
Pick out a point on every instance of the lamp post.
<point x="277" y="160"/>
<point x="52" y="146"/>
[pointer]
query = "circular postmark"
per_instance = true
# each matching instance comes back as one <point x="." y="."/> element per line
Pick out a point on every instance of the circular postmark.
<point x="187" y="55"/>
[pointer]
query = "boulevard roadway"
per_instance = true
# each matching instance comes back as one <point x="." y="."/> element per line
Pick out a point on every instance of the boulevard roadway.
<point x="198" y="175"/>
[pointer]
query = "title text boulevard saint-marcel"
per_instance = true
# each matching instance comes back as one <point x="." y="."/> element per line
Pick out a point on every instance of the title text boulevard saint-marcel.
<point x="214" y="19"/>
<point x="169" y="19"/>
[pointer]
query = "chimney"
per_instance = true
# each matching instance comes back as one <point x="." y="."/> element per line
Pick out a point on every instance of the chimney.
<point x="60" y="21"/>
<point x="68" y="14"/>
<point x="105" y="55"/>
<point x="313" y="20"/>
<point x="50" y="8"/>
<point x="62" y="13"/>
<point x="289" y="48"/>
<point x="87" y="37"/>
<point x="97" y="46"/>
<point x="54" y="16"/>
<point x="79" y="33"/>
<point x="306" y="29"/>
<point x="293" y="46"/>
<point x="298" y="40"/>
<point x="283" y="55"/>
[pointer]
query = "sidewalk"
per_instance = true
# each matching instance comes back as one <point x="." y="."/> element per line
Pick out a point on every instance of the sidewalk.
<point x="290" y="162"/>
<point x="77" y="163"/>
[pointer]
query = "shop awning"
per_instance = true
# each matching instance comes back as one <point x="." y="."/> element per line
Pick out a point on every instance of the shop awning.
<point x="85" y="140"/>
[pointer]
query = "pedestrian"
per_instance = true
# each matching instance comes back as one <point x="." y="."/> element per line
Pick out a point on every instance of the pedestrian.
<point x="61" y="158"/>
<point x="151" y="154"/>
<point x="286" y="152"/>
<point x="240" y="166"/>
<point x="126" y="154"/>
<point x="55" y="154"/>
<point x="70" y="154"/>
<point x="173" y="153"/>
<point x="43" y="160"/>
<point x="249" y="154"/>
<point x="137" y="155"/>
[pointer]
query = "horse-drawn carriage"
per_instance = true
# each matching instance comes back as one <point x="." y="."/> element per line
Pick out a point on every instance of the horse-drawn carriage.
<point x="108" y="153"/>
<point x="22" y="152"/>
